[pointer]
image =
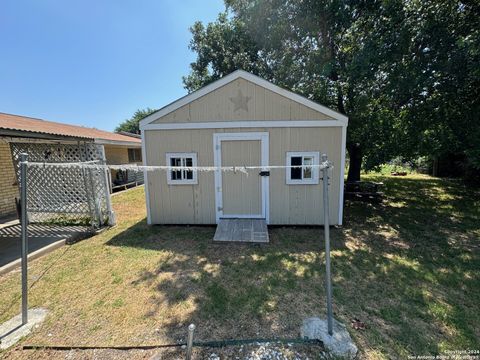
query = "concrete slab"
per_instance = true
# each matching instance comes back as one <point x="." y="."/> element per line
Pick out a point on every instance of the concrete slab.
<point x="339" y="344"/>
<point x="39" y="237"/>
<point x="8" y="220"/>
<point x="12" y="330"/>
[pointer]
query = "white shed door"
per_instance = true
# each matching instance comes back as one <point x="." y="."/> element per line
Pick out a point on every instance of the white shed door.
<point x="241" y="193"/>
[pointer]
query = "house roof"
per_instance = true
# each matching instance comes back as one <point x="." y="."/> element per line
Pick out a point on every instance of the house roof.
<point x="126" y="133"/>
<point x="249" y="77"/>
<point x="32" y="127"/>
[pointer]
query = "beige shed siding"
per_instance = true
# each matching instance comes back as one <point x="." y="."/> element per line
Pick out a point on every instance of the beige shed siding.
<point x="263" y="104"/>
<point x="8" y="181"/>
<point x="180" y="204"/>
<point x="195" y="204"/>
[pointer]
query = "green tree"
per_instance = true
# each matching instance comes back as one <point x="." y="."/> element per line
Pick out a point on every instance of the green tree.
<point x="381" y="63"/>
<point x="311" y="47"/>
<point x="132" y="125"/>
<point x="440" y="79"/>
<point x="222" y="47"/>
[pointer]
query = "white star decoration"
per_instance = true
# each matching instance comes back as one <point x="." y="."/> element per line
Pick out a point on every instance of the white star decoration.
<point x="240" y="101"/>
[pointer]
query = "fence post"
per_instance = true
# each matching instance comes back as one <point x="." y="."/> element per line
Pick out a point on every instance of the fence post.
<point x="81" y="150"/>
<point x="326" y="226"/>
<point x="108" y="182"/>
<point x="24" y="220"/>
<point x="96" y="204"/>
<point x="191" y="329"/>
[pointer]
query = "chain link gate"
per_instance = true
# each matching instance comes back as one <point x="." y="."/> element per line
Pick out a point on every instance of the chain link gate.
<point x="65" y="194"/>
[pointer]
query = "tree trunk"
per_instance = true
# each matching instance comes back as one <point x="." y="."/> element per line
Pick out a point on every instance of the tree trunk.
<point x="355" y="156"/>
<point x="435" y="166"/>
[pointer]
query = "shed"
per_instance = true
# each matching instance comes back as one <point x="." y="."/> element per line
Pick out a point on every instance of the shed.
<point x="242" y="119"/>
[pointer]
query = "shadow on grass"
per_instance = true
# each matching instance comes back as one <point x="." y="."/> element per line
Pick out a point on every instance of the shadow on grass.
<point x="408" y="267"/>
<point x="419" y="255"/>
<point x="231" y="290"/>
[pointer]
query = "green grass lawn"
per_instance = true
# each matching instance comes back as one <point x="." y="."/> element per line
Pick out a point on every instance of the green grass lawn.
<point x="409" y="268"/>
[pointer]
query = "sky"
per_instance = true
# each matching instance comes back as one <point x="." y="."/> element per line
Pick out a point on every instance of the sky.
<point x="94" y="62"/>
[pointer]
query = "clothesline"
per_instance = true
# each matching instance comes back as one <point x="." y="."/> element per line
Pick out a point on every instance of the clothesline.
<point x="133" y="167"/>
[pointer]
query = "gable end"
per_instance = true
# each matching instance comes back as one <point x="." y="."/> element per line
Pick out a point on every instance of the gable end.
<point x="241" y="96"/>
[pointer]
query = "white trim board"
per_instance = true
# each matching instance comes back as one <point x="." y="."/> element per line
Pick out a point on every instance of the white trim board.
<point x="244" y="124"/>
<point x="118" y="143"/>
<point x="342" y="176"/>
<point x="263" y="137"/>
<point x="145" y="179"/>
<point x="249" y="77"/>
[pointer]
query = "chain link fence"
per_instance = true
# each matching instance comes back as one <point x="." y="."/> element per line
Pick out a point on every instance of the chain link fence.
<point x="65" y="195"/>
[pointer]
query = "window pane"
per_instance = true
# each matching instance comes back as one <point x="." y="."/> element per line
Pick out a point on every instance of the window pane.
<point x="175" y="162"/>
<point x="187" y="174"/>
<point x="134" y="155"/>
<point x="176" y="174"/>
<point x="131" y="155"/>
<point x="307" y="172"/>
<point x="296" y="173"/>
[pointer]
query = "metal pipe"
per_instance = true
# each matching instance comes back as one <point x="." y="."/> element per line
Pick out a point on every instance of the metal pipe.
<point x="326" y="225"/>
<point x="24" y="220"/>
<point x="208" y="343"/>
<point x="191" y="329"/>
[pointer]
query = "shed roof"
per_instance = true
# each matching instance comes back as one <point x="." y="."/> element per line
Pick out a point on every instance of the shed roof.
<point x="251" y="78"/>
<point x="32" y="127"/>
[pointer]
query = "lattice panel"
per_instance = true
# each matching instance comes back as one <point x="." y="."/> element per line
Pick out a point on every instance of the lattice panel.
<point x="67" y="193"/>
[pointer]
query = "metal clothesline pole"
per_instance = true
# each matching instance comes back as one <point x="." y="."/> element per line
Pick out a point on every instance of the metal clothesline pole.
<point x="326" y="225"/>
<point x="24" y="220"/>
